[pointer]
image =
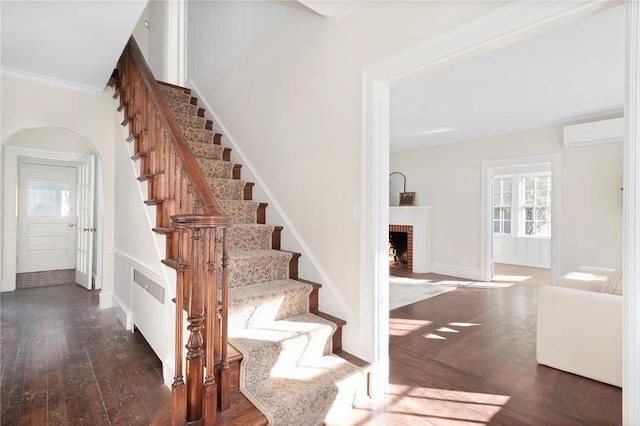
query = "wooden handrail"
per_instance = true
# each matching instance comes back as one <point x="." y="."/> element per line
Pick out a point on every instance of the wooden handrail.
<point x="189" y="214"/>
<point x="207" y="199"/>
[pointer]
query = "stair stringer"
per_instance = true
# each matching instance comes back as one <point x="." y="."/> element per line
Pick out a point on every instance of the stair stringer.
<point x="310" y="267"/>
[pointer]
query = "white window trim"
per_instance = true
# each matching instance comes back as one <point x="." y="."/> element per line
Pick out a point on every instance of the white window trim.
<point x="517" y="205"/>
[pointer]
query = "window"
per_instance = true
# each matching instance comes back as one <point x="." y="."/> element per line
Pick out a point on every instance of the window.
<point x="48" y="199"/>
<point x="535" y="206"/>
<point x="502" y="199"/>
<point x="527" y="194"/>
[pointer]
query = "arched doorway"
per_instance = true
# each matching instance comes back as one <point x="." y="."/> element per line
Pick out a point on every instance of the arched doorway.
<point x="63" y="148"/>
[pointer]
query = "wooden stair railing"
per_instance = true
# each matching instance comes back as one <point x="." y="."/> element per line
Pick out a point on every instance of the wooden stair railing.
<point x="190" y="216"/>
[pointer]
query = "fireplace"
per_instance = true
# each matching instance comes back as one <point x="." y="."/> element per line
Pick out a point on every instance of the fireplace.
<point x="415" y="221"/>
<point x="401" y="246"/>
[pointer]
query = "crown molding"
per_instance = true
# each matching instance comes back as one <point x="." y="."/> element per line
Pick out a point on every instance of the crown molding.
<point x="50" y="81"/>
<point x="334" y="9"/>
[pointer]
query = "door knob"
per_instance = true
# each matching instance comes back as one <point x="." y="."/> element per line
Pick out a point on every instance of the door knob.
<point x="71" y="225"/>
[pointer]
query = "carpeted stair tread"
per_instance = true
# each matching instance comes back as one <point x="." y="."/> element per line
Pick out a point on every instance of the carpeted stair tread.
<point x="242" y="211"/>
<point x="279" y="346"/>
<point x="187" y="120"/>
<point x="174" y="96"/>
<point x="249" y="236"/>
<point x="257" y="266"/>
<point x="216" y="168"/>
<point x="199" y="135"/>
<point x="294" y="380"/>
<point x="227" y="189"/>
<point x="170" y="89"/>
<point x="180" y="108"/>
<point x="210" y="151"/>
<point x="257" y="304"/>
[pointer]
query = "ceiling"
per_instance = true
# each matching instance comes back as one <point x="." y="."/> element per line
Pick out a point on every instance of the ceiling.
<point x="71" y="43"/>
<point x="567" y="74"/>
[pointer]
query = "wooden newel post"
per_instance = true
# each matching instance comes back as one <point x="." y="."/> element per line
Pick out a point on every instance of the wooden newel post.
<point x="198" y="287"/>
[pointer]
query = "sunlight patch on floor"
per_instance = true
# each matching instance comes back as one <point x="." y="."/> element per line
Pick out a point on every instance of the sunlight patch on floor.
<point x="402" y="327"/>
<point x="448" y="330"/>
<point x="516" y="278"/>
<point x="434" y="336"/>
<point x="408" y="405"/>
<point x="479" y="284"/>
<point x="463" y="324"/>
<point x="406" y="280"/>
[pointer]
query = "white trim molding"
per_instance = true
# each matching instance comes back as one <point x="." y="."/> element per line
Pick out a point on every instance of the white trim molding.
<point x="10" y="176"/>
<point x="631" y="227"/>
<point x="177" y="42"/>
<point x="336" y="9"/>
<point x="504" y="26"/>
<point x="487" y="208"/>
<point x="50" y="81"/>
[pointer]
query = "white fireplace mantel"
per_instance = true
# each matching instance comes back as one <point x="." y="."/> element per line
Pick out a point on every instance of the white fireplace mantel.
<point x="419" y="217"/>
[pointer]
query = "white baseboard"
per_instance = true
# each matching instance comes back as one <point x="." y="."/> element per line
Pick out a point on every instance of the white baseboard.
<point x="122" y="313"/>
<point x="167" y="370"/>
<point x="457" y="271"/>
<point x="97" y="282"/>
<point x="105" y="300"/>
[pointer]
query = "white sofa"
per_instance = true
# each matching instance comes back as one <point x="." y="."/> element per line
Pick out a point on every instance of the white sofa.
<point x="579" y="327"/>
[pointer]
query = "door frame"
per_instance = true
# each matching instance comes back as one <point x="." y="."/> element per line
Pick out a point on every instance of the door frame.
<point x="503" y="26"/>
<point x="10" y="176"/>
<point x="21" y="231"/>
<point x="486" y="211"/>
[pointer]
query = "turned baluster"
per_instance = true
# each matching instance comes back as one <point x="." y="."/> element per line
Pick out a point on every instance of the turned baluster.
<point x="210" y="395"/>
<point x="195" y="317"/>
<point x="179" y="390"/>
<point x="225" y="377"/>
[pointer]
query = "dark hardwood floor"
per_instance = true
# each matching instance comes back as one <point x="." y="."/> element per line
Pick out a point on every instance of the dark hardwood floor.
<point x="468" y="357"/>
<point x="464" y="357"/>
<point x="66" y="362"/>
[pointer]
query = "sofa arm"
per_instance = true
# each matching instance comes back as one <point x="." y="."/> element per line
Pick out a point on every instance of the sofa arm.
<point x="580" y="332"/>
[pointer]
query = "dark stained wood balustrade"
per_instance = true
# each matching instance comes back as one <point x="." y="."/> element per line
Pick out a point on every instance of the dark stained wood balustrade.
<point x="190" y="217"/>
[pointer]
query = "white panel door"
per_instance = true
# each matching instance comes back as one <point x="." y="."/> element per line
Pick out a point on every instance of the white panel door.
<point x="46" y="217"/>
<point x="85" y="228"/>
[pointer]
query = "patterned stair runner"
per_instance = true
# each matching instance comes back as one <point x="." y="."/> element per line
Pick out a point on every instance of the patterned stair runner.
<point x="288" y="370"/>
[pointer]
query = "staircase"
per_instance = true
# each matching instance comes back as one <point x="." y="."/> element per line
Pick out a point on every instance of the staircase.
<point x="278" y="360"/>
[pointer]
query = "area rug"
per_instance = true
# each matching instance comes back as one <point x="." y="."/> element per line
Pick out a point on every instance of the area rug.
<point x="405" y="291"/>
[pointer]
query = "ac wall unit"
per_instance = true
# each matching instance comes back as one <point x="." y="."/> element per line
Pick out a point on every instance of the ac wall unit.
<point x="594" y="133"/>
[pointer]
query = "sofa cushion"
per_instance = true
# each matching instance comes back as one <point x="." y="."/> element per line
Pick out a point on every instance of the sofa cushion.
<point x="613" y="284"/>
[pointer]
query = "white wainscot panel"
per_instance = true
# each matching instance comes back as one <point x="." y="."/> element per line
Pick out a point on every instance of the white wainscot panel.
<point x="148" y="311"/>
<point x="512" y="250"/>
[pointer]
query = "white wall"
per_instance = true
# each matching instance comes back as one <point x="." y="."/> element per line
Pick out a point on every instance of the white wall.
<point x="157" y="14"/>
<point x="141" y="32"/>
<point x="27" y="104"/>
<point x="133" y="236"/>
<point x="136" y="247"/>
<point x="448" y="178"/>
<point x="287" y="85"/>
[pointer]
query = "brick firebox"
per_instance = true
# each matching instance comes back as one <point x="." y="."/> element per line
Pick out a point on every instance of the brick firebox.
<point x="407" y="229"/>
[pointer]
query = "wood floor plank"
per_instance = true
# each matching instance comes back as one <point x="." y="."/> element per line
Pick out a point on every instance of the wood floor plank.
<point x="65" y="361"/>
<point x="464" y="357"/>
<point x="468" y="357"/>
